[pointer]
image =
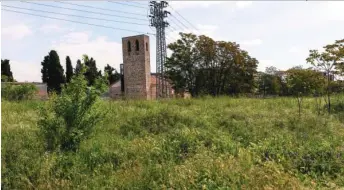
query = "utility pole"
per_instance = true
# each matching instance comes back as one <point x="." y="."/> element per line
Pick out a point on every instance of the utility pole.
<point x="157" y="15"/>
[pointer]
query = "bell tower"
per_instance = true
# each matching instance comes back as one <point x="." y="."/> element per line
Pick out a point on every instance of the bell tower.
<point x="136" y="66"/>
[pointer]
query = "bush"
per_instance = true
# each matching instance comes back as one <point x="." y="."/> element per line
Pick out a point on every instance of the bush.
<point x="70" y="117"/>
<point x="18" y="92"/>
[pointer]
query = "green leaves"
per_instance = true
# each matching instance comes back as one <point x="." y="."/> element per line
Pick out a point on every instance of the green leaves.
<point x="202" y="66"/>
<point x="69" y="118"/>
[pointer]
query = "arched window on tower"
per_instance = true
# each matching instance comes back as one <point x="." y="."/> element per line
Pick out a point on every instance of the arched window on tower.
<point x="137" y="45"/>
<point x="146" y="46"/>
<point x="129" y="46"/>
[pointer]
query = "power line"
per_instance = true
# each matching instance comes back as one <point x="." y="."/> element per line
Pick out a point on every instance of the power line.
<point x="83" y="11"/>
<point x="176" y="25"/>
<point x="75" y="15"/>
<point x="183" y="17"/>
<point x="179" y="21"/>
<point x="104" y="9"/>
<point x="128" y="5"/>
<point x="135" y="2"/>
<point x="78" y="22"/>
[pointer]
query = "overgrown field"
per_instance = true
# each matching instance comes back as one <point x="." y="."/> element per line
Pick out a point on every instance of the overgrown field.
<point x="209" y="143"/>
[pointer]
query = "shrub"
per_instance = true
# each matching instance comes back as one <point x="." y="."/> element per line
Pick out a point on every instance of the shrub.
<point x="18" y="92"/>
<point x="70" y="117"/>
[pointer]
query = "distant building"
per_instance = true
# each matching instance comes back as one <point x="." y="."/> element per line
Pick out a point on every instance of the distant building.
<point x="42" y="92"/>
<point x="136" y="81"/>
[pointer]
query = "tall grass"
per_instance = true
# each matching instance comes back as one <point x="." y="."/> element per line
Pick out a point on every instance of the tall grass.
<point x="207" y="143"/>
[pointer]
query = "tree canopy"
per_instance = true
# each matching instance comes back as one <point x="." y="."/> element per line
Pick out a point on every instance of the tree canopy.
<point x="69" y="69"/>
<point x="200" y="65"/>
<point x="52" y="72"/>
<point x="6" y="73"/>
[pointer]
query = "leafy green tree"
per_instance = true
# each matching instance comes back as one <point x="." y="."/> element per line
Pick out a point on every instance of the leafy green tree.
<point x="70" y="118"/>
<point x="304" y="82"/>
<point x="202" y="66"/>
<point x="112" y="74"/>
<point x="181" y="64"/>
<point x="330" y="61"/>
<point x="270" y="82"/>
<point x="6" y="71"/>
<point x="69" y="69"/>
<point x="92" y="72"/>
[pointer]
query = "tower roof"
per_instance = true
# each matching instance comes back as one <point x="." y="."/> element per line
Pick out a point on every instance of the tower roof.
<point x="136" y="36"/>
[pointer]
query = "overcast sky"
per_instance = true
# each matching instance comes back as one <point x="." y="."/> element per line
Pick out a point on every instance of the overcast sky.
<point x="276" y="33"/>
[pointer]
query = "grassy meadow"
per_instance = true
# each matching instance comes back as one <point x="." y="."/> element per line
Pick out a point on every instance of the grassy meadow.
<point x="206" y="143"/>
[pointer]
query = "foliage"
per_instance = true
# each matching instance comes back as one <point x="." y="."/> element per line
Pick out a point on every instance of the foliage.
<point x="269" y="84"/>
<point x="112" y="73"/>
<point x="13" y="92"/>
<point x="304" y="82"/>
<point x="330" y="61"/>
<point x="242" y="143"/>
<point x="52" y="72"/>
<point x="78" y="67"/>
<point x="69" y="118"/>
<point x="69" y="69"/>
<point x="6" y="73"/>
<point x="200" y="65"/>
<point x="91" y="73"/>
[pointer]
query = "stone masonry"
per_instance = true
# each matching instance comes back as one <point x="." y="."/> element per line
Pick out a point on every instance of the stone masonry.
<point x="136" y="63"/>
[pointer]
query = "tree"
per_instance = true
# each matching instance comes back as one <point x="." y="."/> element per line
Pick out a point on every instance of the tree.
<point x="44" y="70"/>
<point x="202" y="66"/>
<point x="69" y="69"/>
<point x="70" y="118"/>
<point x="52" y="72"/>
<point x="92" y="72"/>
<point x="112" y="74"/>
<point x="78" y="67"/>
<point x="330" y="61"/>
<point x="6" y="73"/>
<point x="303" y="82"/>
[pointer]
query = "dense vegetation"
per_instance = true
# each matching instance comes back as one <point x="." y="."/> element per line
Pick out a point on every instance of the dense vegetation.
<point x="12" y="92"/>
<point x="77" y="141"/>
<point x="199" y="143"/>
<point x="6" y="73"/>
<point x="203" y="66"/>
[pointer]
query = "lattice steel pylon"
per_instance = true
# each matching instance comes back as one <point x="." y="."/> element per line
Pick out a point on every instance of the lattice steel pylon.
<point x="157" y="15"/>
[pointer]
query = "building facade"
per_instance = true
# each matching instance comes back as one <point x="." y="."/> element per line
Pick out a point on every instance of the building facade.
<point x="137" y="82"/>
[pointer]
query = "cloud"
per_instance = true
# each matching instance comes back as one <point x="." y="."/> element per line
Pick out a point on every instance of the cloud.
<point x="16" y="32"/>
<point x="250" y="43"/>
<point x="207" y="30"/>
<point x="295" y="49"/>
<point x="193" y="4"/>
<point x="52" y="28"/>
<point x="177" y="5"/>
<point x="26" y="71"/>
<point x="265" y="63"/>
<point x="334" y="10"/>
<point x="103" y="50"/>
<point x="243" y="4"/>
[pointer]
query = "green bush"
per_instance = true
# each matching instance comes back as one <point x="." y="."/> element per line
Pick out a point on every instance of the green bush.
<point x="13" y="92"/>
<point x="70" y="117"/>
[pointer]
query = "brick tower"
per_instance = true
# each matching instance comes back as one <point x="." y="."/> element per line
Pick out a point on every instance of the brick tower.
<point x="136" y="63"/>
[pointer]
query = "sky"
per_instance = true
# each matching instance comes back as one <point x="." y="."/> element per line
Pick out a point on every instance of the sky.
<point x="277" y="33"/>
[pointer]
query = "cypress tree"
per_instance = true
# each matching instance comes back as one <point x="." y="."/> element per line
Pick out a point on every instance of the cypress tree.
<point x="69" y="69"/>
<point x="52" y="72"/>
<point x="6" y="70"/>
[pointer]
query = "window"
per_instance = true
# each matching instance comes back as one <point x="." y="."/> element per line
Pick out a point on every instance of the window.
<point x="137" y="45"/>
<point x="129" y="46"/>
<point x="146" y="46"/>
